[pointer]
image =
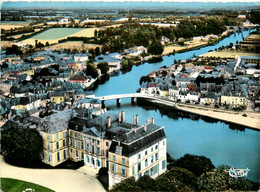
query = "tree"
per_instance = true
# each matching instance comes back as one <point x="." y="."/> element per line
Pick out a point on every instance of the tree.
<point x="146" y="183"/>
<point x="47" y="43"/>
<point x="220" y="180"/>
<point x="14" y="50"/>
<point x="97" y="51"/>
<point x="196" y="164"/>
<point x="22" y="147"/>
<point x="91" y="70"/>
<point x="128" y="184"/>
<point x="156" y="48"/>
<point x="104" y="68"/>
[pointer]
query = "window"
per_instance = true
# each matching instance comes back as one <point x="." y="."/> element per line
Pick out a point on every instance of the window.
<point x="97" y="142"/>
<point x="81" y="137"/>
<point x="76" y="135"/>
<point x="93" y="161"/>
<point x="114" y="158"/>
<point x="70" y="142"/>
<point x="163" y="142"/>
<point x="98" y="150"/>
<point x="64" y="154"/>
<point x="93" y="141"/>
<point x="107" y="144"/>
<point x="49" y="157"/>
<point x="57" y="145"/>
<point x="88" y="159"/>
<point x="49" y="146"/>
<point x="139" y="175"/>
<point x="87" y="147"/>
<point x="64" y="134"/>
<point x="156" y="147"/>
<point x="93" y="149"/>
<point x="71" y="152"/>
<point x="146" y="152"/>
<point x="87" y="139"/>
<point x="82" y="145"/>
<point x="123" y="160"/>
<point x="139" y="167"/>
<point x="139" y="156"/>
<point x="152" y="159"/>
<point x="156" y="169"/>
<point x="77" y="154"/>
<point x="98" y="163"/>
<point x="133" y="170"/>
<point x="163" y="164"/>
<point x="77" y="143"/>
<point x="152" y="171"/>
<point x="57" y="136"/>
<point x="48" y="137"/>
<point x="64" y="143"/>
<point x="146" y="162"/>
<point x="58" y="156"/>
<point x="156" y="156"/>
<point x="152" y="149"/>
<point x="71" y="133"/>
<point x="82" y="156"/>
<point x="146" y="172"/>
<point x="123" y="170"/>
<point x="114" y="167"/>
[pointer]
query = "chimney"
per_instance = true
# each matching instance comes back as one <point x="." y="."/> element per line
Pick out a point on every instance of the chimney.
<point x="108" y="121"/>
<point x="152" y="120"/>
<point x="135" y="119"/>
<point x="133" y="129"/>
<point x="145" y="127"/>
<point x="123" y="116"/>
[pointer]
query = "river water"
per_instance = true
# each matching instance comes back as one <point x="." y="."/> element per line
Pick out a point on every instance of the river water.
<point x="239" y="149"/>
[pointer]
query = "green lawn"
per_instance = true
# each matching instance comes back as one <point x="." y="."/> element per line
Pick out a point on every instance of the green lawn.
<point x="56" y="33"/>
<point x="14" y="185"/>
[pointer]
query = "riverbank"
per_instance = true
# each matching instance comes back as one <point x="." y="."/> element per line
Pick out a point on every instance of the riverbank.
<point x="228" y="54"/>
<point x="251" y="120"/>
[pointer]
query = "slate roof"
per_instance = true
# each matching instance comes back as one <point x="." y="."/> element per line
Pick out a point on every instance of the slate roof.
<point x="133" y="142"/>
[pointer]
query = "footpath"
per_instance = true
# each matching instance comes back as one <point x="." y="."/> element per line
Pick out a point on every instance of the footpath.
<point x="59" y="180"/>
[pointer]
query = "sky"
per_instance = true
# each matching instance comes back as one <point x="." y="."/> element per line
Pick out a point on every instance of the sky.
<point x="223" y="1"/>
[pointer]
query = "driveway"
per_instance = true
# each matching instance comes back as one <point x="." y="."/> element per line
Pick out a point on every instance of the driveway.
<point x="59" y="180"/>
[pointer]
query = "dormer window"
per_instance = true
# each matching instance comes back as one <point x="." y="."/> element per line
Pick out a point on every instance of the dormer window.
<point x="118" y="150"/>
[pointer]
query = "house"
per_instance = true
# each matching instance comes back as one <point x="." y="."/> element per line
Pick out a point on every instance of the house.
<point x="234" y="99"/>
<point x="135" y="51"/>
<point x="210" y="98"/>
<point x="6" y="86"/>
<point x="81" y="79"/>
<point x="136" y="150"/>
<point x="58" y="97"/>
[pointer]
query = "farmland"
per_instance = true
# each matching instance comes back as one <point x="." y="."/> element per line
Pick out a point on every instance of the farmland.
<point x="55" y="34"/>
<point x="8" y="25"/>
<point x="78" y="45"/>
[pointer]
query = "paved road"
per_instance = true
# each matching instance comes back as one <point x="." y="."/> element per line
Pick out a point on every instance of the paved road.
<point x="59" y="180"/>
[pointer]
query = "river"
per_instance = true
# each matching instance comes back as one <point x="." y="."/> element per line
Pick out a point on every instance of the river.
<point x="239" y="149"/>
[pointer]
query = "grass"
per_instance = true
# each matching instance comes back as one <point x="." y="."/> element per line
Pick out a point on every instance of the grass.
<point x="56" y="33"/>
<point x="14" y="185"/>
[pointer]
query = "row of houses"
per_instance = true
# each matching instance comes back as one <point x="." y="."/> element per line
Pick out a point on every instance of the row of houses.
<point x="205" y="85"/>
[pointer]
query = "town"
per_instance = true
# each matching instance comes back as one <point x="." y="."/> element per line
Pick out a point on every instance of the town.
<point x="51" y="68"/>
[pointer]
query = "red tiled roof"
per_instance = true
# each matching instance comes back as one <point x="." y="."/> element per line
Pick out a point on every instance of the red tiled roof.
<point x="191" y="87"/>
<point x="152" y="85"/>
<point x="208" y="67"/>
<point x="185" y="75"/>
<point x="78" y="78"/>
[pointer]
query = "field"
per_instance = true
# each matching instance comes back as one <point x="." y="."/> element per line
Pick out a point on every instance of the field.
<point x="5" y="44"/>
<point x="228" y="54"/>
<point x="79" y="45"/>
<point x="13" y="185"/>
<point x="188" y="45"/>
<point x="54" y="35"/>
<point x="7" y="25"/>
